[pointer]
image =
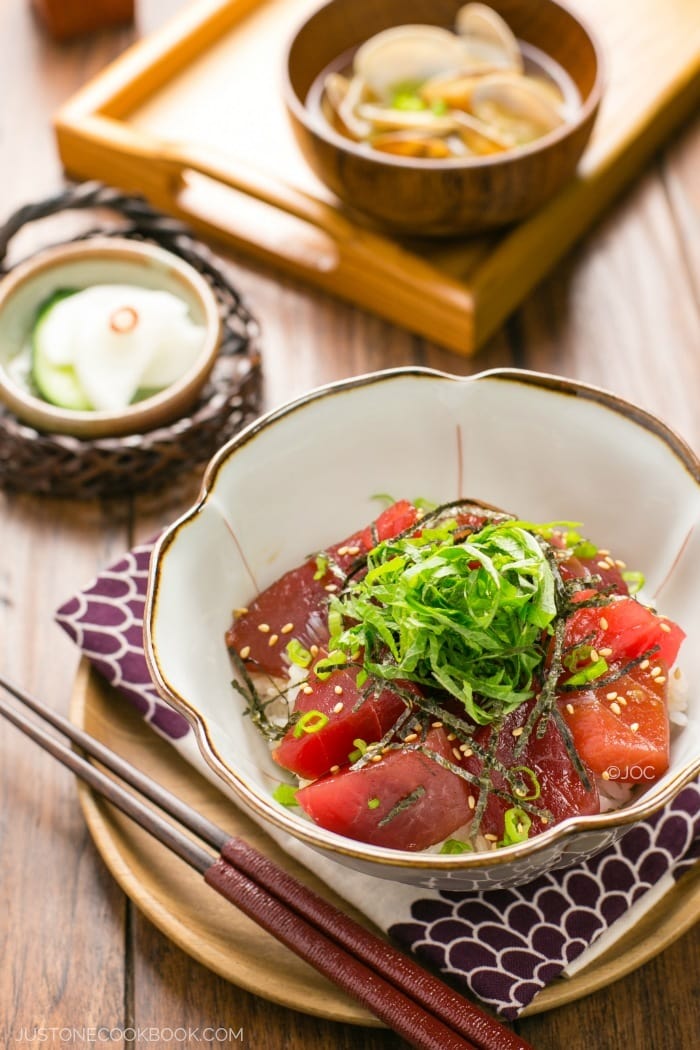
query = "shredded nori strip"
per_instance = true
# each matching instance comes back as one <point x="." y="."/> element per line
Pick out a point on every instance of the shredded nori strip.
<point x="257" y="707"/>
<point x="402" y="805"/>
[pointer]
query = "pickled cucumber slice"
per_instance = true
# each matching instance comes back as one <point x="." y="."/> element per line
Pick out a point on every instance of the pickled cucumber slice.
<point x="57" y="384"/>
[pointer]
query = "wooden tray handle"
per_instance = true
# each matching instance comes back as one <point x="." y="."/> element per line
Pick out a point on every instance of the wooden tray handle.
<point x="256" y="213"/>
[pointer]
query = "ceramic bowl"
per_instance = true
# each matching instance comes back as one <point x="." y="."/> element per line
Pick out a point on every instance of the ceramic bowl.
<point x="103" y="260"/>
<point x="440" y="197"/>
<point x="304" y="475"/>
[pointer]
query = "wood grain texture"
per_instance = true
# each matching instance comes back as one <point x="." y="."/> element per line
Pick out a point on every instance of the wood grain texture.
<point x="622" y="313"/>
<point x="164" y="119"/>
<point x="440" y="200"/>
<point x="174" y="898"/>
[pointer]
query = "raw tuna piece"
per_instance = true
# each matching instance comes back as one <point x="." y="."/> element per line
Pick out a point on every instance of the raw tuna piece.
<point x="310" y="755"/>
<point x="622" y="729"/>
<point x="562" y="792"/>
<point x="300" y="599"/>
<point x="359" y="803"/>
<point x="626" y="627"/>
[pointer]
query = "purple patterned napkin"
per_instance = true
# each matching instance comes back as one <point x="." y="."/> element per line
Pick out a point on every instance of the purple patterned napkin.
<point x="505" y="945"/>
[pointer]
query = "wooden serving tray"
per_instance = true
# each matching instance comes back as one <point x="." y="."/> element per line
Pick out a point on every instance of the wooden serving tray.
<point x="193" y="118"/>
<point x="176" y="900"/>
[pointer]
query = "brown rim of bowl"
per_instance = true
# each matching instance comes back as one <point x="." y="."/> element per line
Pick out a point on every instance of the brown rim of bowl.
<point x="100" y="423"/>
<point x="320" y="127"/>
<point x="311" y="834"/>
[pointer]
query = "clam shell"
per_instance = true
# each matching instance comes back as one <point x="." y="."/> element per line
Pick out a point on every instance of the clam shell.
<point x="407" y="54"/>
<point x="488" y="41"/>
<point x="480" y="138"/>
<point x="515" y="107"/>
<point x="344" y="95"/>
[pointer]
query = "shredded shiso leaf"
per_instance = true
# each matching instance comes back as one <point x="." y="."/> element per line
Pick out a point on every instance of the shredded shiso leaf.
<point x="466" y="614"/>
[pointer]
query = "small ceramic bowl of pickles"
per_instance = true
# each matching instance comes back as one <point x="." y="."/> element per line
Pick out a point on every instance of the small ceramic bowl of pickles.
<point x="105" y="337"/>
<point x="439" y="117"/>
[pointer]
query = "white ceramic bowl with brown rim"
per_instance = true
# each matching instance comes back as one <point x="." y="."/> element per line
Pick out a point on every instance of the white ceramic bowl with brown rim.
<point x="304" y="475"/>
<point x="84" y="264"/>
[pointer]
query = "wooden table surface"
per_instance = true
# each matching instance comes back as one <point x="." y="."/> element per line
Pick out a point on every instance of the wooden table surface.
<point x="623" y="312"/>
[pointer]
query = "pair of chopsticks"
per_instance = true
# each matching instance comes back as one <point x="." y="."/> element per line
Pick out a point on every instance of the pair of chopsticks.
<point x="415" y="1004"/>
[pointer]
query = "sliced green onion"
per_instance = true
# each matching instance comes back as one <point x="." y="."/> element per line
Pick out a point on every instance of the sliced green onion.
<point x="373" y="803"/>
<point x="516" y="826"/>
<point x="634" y="580"/>
<point x="439" y="107"/>
<point x="325" y="668"/>
<point x="286" y="795"/>
<point x="385" y="498"/>
<point x="536" y="787"/>
<point x="585" y="549"/>
<point x="360" y="748"/>
<point x="426" y="505"/>
<point x="322" y="564"/>
<point x="589" y="673"/>
<point x="310" y="722"/>
<point x="456" y="846"/>
<point x="298" y="654"/>
<point x="408" y="102"/>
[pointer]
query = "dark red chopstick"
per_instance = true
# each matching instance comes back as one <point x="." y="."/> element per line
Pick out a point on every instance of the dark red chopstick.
<point x="417" y="1005"/>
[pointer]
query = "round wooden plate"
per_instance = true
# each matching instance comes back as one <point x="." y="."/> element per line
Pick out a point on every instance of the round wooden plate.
<point x="178" y="902"/>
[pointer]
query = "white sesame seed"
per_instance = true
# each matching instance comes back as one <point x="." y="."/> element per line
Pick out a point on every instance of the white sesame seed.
<point x="436" y="725"/>
<point x="338" y="690"/>
<point x="605" y="652"/>
<point x="603" y="551"/>
<point x="620" y="564"/>
<point x="603" y="624"/>
<point x="335" y="769"/>
<point x="603" y="565"/>
<point x="615" y="708"/>
<point x="338" y="707"/>
<point x="307" y="690"/>
<point x="376" y="758"/>
<point x="273" y="640"/>
<point x="264" y="628"/>
<point x="664" y="627"/>
<point x="644" y="664"/>
<point x="570" y="708"/>
<point x="660" y="679"/>
<point x="605" y="775"/>
<point x="457" y="753"/>
<point x="594" y="656"/>
<point x="635" y="727"/>
<point x="342" y="550"/>
<point x="544" y="819"/>
<point x="331" y="587"/>
<point x="611" y="696"/>
<point x="466" y="750"/>
<point x="410" y="738"/>
<point x="240" y="612"/>
<point x="313" y="649"/>
<point x="655" y="671"/>
<point x="472" y="802"/>
<point x="451" y="736"/>
<point x="287" y="629"/>
<point x="519" y="731"/>
<point x="491" y="838"/>
<point x="353" y="550"/>
<point x="245" y="652"/>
